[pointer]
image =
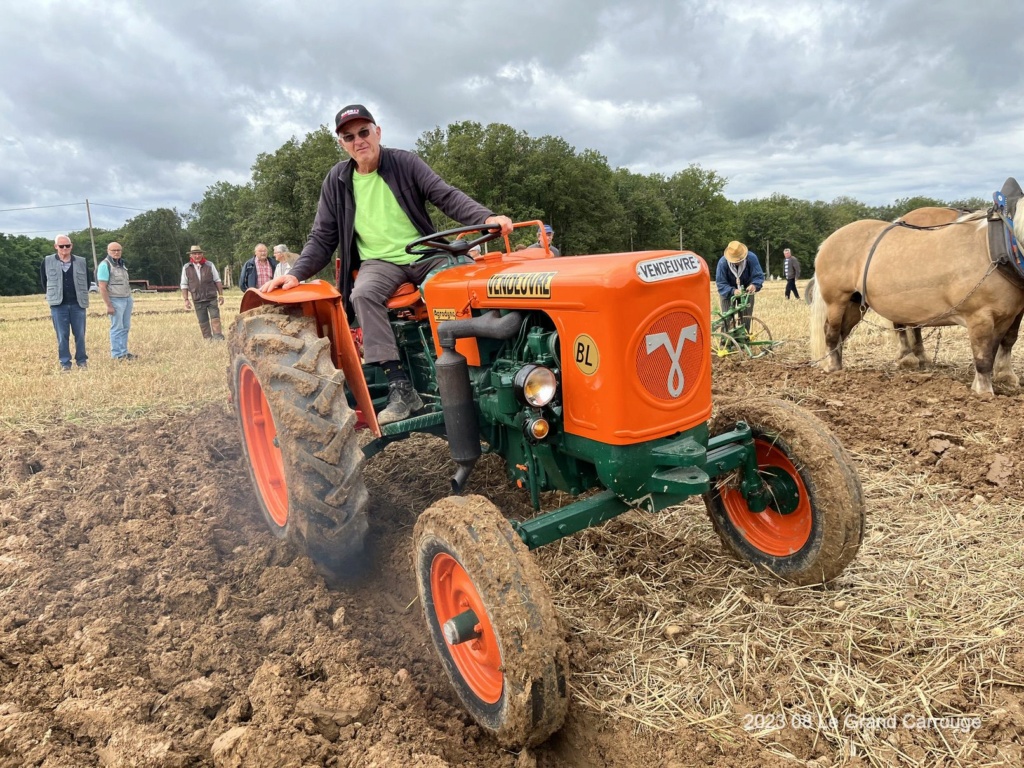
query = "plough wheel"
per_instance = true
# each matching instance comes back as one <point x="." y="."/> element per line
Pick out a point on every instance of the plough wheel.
<point x="759" y="333"/>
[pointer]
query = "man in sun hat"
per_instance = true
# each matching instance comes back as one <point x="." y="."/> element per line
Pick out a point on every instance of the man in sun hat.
<point x="200" y="278"/>
<point x="738" y="272"/>
<point x="371" y="206"/>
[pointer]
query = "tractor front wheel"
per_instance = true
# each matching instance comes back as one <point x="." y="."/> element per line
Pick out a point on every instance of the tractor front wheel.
<point x="298" y="433"/>
<point x="814" y="524"/>
<point x="492" y="621"/>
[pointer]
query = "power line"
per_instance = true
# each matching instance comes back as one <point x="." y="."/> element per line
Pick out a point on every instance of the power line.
<point x="38" y="207"/>
<point x="68" y="205"/>
<point x="124" y="207"/>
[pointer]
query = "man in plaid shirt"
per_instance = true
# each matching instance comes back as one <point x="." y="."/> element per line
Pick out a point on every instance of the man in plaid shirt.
<point x="259" y="270"/>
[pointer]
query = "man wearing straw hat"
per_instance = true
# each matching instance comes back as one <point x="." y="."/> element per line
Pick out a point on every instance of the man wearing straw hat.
<point x="738" y="272"/>
<point x="200" y="279"/>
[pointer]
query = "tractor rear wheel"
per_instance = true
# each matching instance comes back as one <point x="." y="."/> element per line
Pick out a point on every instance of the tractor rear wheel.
<point x="815" y="525"/>
<point x="298" y="435"/>
<point x="491" y="619"/>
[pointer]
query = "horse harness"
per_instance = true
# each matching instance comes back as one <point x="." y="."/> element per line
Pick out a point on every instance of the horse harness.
<point x="1003" y="249"/>
<point x="874" y="246"/>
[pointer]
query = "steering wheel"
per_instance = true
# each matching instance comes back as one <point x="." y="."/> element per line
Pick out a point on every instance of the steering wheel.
<point x="424" y="246"/>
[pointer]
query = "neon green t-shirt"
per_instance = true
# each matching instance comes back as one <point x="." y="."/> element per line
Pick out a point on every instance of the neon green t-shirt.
<point x="382" y="228"/>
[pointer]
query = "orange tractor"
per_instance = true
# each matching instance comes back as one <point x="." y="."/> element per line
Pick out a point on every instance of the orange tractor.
<point x="589" y="375"/>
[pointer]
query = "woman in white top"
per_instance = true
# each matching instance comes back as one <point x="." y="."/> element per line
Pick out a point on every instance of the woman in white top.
<point x="285" y="259"/>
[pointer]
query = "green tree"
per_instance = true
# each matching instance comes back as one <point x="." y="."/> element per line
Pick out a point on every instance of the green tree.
<point x="156" y="242"/>
<point x="20" y="257"/>
<point x="649" y="222"/>
<point x="214" y="220"/>
<point x="702" y="216"/>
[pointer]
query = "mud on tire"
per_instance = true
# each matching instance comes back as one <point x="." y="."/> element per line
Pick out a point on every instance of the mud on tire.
<point x="298" y="436"/>
<point x="512" y="680"/>
<point x="815" y="542"/>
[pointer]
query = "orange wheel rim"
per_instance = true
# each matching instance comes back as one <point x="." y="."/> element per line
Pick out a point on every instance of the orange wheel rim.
<point x="769" y="531"/>
<point x="261" y="442"/>
<point x="479" y="660"/>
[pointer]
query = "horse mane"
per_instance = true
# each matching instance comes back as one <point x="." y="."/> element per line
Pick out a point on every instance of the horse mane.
<point x="972" y="216"/>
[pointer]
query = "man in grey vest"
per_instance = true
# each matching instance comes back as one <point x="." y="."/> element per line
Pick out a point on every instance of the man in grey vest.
<point x="65" y="281"/>
<point x="112" y="276"/>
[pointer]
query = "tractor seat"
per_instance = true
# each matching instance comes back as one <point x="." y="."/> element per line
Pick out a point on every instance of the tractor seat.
<point x="407" y="301"/>
<point x="404" y="296"/>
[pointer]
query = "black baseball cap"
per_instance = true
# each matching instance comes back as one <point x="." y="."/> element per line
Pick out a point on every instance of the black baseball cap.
<point x="349" y="113"/>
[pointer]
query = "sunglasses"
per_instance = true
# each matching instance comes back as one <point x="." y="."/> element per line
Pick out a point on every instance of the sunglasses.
<point x="64" y="246"/>
<point x="348" y="138"/>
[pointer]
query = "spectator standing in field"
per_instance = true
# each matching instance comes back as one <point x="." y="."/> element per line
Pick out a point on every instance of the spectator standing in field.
<point x="65" y="281"/>
<point x="257" y="271"/>
<point x="738" y="272"/>
<point x="200" y="278"/>
<point x="791" y="271"/>
<point x="112" y="276"/>
<point x="285" y="260"/>
<point x="371" y="206"/>
<point x="550" y="233"/>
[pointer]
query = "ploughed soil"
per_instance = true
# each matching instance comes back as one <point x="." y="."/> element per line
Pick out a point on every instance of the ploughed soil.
<point x="150" y="619"/>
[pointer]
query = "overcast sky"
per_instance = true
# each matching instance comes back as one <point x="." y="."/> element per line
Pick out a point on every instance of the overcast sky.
<point x="145" y="104"/>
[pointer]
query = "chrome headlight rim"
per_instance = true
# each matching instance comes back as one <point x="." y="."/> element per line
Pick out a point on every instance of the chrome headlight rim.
<point x="535" y="385"/>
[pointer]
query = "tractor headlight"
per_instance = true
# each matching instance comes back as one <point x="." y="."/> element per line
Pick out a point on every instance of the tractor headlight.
<point x="535" y="385"/>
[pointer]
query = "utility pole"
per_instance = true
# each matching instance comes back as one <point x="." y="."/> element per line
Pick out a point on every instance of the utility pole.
<point x="680" y="238"/>
<point x="768" y="258"/>
<point x="88" y="213"/>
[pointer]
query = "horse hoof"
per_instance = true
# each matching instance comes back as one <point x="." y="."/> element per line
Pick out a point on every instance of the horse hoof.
<point x="909" y="362"/>
<point x="1007" y="382"/>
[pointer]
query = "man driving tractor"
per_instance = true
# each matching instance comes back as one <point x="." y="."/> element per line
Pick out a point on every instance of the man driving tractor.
<point x="371" y="206"/>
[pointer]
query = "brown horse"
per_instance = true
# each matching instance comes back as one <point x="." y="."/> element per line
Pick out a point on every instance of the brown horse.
<point x="918" y="277"/>
<point x="911" y="352"/>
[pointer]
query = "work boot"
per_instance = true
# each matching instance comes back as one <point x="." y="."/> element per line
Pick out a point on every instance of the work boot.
<point x="218" y="335"/>
<point x="402" y="401"/>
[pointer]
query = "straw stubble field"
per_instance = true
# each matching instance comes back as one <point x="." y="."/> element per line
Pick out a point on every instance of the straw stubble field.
<point x="150" y="620"/>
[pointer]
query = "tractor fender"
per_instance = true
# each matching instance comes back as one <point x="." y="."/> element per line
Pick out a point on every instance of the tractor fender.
<point x="321" y="301"/>
<point x="315" y="290"/>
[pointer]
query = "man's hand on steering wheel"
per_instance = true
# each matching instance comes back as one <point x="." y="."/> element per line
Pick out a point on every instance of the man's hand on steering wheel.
<point x="504" y="221"/>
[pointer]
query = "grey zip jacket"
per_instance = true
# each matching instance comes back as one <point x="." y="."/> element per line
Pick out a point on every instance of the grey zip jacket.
<point x="413" y="182"/>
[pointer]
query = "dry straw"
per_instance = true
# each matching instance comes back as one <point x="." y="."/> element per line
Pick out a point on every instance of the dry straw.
<point x="668" y="633"/>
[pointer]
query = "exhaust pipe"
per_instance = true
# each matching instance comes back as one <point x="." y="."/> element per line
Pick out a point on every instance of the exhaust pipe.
<point x="457" y="404"/>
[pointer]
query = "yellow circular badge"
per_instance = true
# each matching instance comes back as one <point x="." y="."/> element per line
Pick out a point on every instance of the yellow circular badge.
<point x="586" y="355"/>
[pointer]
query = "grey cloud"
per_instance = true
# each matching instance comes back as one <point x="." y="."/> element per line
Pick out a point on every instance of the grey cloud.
<point x="148" y="104"/>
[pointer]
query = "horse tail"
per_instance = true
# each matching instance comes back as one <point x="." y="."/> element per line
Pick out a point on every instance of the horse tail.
<point x="819" y="313"/>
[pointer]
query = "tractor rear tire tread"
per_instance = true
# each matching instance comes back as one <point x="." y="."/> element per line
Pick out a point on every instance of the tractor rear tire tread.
<point x="327" y="496"/>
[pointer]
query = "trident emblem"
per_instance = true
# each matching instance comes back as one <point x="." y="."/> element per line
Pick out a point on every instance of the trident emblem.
<point x="675" y="374"/>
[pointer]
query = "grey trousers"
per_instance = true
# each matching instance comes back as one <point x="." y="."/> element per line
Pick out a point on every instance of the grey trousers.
<point x="375" y="283"/>
<point x="744" y="316"/>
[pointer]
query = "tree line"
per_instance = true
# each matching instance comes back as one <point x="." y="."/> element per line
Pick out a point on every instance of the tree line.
<point x="592" y="207"/>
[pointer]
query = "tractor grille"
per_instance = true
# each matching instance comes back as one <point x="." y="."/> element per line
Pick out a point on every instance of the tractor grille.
<point x="670" y="355"/>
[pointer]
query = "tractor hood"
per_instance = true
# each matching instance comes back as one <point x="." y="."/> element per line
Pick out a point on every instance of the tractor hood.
<point x="633" y="332"/>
